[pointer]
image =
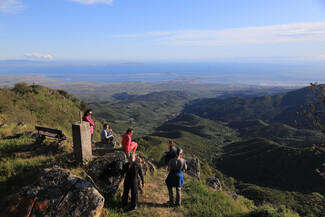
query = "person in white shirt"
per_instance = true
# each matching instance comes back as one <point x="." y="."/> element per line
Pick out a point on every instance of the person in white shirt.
<point x="106" y="134"/>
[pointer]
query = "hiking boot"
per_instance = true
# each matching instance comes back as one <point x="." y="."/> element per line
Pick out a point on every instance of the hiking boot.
<point x="177" y="204"/>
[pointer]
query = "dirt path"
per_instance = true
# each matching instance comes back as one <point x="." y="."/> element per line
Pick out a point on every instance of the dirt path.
<point x="155" y="195"/>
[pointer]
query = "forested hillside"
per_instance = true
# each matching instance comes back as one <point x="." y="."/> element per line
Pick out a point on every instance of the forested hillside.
<point x="281" y="108"/>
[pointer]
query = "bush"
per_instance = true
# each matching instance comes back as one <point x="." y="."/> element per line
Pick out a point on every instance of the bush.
<point x="21" y="88"/>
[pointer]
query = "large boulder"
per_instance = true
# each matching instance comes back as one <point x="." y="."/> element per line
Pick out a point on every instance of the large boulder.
<point x="56" y="192"/>
<point x="193" y="167"/>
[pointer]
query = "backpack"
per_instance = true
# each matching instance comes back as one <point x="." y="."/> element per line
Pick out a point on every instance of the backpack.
<point x="113" y="169"/>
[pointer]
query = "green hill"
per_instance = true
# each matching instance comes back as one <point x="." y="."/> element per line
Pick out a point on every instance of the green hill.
<point x="142" y="112"/>
<point x="267" y="163"/>
<point x="281" y="108"/>
<point x="280" y="133"/>
<point x="38" y="105"/>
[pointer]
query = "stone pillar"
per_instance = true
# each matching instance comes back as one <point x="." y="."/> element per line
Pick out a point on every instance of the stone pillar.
<point x="82" y="142"/>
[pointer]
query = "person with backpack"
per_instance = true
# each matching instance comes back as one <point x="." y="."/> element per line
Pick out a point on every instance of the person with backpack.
<point x="112" y="171"/>
<point x="127" y="143"/>
<point x="132" y="169"/>
<point x="175" y="177"/>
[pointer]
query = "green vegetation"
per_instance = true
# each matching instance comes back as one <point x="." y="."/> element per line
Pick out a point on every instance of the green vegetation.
<point x="280" y="133"/>
<point x="140" y="112"/>
<point x="38" y="105"/>
<point x="201" y="201"/>
<point x="311" y="204"/>
<point x="246" y="138"/>
<point x="281" y="108"/>
<point x="268" y="163"/>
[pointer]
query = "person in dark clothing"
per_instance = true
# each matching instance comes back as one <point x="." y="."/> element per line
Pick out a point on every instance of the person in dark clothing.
<point x="172" y="152"/>
<point x="132" y="170"/>
<point x="175" y="177"/>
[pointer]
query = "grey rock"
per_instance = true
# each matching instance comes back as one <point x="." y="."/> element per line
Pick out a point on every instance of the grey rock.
<point x="193" y="167"/>
<point x="56" y="192"/>
<point x="214" y="183"/>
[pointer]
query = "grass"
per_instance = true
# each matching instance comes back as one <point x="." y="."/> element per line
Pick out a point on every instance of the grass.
<point x="201" y="201"/>
<point x="8" y="146"/>
<point x="15" y="171"/>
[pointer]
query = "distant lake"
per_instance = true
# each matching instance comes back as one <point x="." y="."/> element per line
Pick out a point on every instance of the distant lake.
<point x="225" y="73"/>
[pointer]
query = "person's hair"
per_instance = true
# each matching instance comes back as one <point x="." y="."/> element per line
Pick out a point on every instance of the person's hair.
<point x="105" y="125"/>
<point x="129" y="130"/>
<point x="179" y="151"/>
<point x="87" y="112"/>
<point x="171" y="142"/>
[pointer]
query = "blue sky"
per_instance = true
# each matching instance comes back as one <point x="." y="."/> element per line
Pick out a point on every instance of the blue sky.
<point x="137" y="30"/>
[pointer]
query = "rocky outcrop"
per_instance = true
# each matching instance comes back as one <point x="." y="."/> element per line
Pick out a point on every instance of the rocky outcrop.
<point x="56" y="192"/>
<point x="101" y="164"/>
<point x="214" y="182"/>
<point x="193" y="167"/>
<point x="112" y="182"/>
<point x="145" y="164"/>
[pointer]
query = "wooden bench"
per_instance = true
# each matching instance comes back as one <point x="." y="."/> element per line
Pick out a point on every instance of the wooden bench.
<point x="54" y="133"/>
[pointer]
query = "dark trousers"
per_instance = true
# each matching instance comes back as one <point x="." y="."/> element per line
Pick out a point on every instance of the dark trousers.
<point x="134" y="193"/>
<point x="178" y="195"/>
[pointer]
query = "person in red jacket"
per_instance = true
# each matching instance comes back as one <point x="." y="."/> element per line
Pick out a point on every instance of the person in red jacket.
<point x="127" y="143"/>
<point x="87" y="117"/>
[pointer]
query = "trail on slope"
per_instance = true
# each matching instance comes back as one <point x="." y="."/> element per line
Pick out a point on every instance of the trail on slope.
<point x="152" y="202"/>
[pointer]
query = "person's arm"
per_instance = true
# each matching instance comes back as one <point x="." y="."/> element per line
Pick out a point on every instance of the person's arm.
<point x="185" y="166"/>
<point x="90" y="120"/>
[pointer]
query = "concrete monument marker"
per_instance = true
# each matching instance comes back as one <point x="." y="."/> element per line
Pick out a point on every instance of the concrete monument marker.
<point x="82" y="142"/>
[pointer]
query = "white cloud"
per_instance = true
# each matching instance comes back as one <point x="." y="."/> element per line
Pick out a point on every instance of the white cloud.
<point x="91" y="2"/>
<point x="308" y="32"/>
<point x="39" y="56"/>
<point x="11" y="6"/>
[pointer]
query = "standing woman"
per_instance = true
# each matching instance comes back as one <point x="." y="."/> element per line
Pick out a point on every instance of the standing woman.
<point x="175" y="178"/>
<point x="87" y="117"/>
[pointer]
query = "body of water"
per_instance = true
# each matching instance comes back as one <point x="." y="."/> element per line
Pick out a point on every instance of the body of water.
<point x="224" y="73"/>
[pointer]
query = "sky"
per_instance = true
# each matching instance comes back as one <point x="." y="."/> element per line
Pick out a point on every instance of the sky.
<point x="138" y="30"/>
